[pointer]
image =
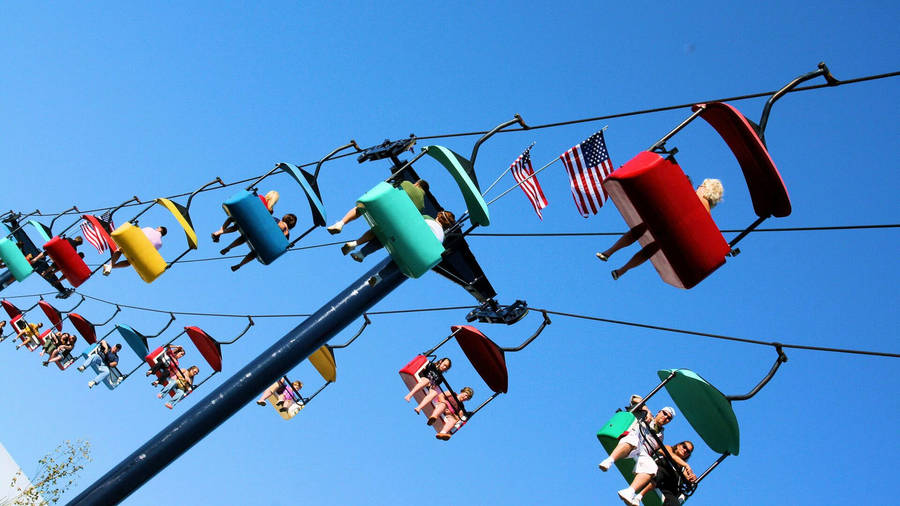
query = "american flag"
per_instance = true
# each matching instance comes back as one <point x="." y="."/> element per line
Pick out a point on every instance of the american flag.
<point x="95" y="237"/>
<point x="524" y="173"/>
<point x="588" y="165"/>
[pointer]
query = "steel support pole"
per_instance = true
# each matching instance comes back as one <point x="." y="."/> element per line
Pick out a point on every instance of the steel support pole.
<point x="242" y="388"/>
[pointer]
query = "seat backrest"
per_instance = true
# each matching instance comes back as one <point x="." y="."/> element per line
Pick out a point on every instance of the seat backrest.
<point x="256" y="225"/>
<point x="767" y="189"/>
<point x="139" y="251"/>
<point x="653" y="192"/>
<point x="401" y="229"/>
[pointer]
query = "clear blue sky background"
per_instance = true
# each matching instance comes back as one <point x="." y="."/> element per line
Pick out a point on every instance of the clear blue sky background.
<point x="103" y="101"/>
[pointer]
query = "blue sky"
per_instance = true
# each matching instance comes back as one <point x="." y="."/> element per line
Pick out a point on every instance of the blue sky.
<point x="104" y="101"/>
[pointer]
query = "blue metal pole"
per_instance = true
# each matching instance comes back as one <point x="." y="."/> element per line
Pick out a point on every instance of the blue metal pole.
<point x="241" y="389"/>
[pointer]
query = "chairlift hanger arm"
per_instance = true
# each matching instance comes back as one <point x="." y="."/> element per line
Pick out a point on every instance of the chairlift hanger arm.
<point x="778" y="361"/>
<point x="250" y="323"/>
<point x="171" y="319"/>
<point x="106" y="335"/>
<point x="123" y="204"/>
<point x="516" y="119"/>
<point x="533" y="336"/>
<point x="73" y="308"/>
<point x="313" y="396"/>
<point x="198" y="190"/>
<point x="335" y="151"/>
<point x="194" y="387"/>
<point x="183" y="332"/>
<point x="73" y="208"/>
<point x="451" y="336"/>
<point x="637" y="407"/>
<point x="470" y="414"/>
<point x="118" y="309"/>
<point x="365" y="324"/>
<point x="387" y="149"/>
<point x="301" y="236"/>
<point x="821" y="71"/>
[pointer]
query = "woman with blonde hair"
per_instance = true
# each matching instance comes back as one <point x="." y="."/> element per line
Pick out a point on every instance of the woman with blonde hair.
<point x="709" y="192"/>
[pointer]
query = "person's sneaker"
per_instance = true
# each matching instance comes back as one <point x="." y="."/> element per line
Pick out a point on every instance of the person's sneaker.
<point x="107" y="268"/>
<point x="602" y="257"/>
<point x="336" y="228"/>
<point x="615" y="274"/>
<point x="169" y="405"/>
<point x="91" y="384"/>
<point x="374" y="280"/>
<point x="605" y="465"/>
<point x="358" y="256"/>
<point x="636" y="500"/>
<point x="627" y="495"/>
<point x="159" y="395"/>
<point x="348" y="247"/>
<point x="80" y="368"/>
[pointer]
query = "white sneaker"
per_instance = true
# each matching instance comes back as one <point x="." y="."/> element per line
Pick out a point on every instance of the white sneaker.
<point x="627" y="495"/>
<point x="336" y="228"/>
<point x="636" y="500"/>
<point x="605" y="465"/>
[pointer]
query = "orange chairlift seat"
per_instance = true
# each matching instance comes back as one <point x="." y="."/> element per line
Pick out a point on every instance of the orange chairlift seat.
<point x="487" y="358"/>
<point x="653" y="194"/>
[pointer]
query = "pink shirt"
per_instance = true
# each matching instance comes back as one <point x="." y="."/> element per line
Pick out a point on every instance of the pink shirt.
<point x="154" y="236"/>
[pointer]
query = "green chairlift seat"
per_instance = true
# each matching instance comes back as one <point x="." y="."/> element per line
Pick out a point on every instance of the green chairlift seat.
<point x="609" y="438"/>
<point x="399" y="225"/>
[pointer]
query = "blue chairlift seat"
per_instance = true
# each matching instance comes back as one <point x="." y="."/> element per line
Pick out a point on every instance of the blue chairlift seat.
<point x="257" y="225"/>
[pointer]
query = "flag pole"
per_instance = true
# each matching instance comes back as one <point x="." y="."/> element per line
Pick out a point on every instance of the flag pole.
<point x="529" y="177"/>
<point x="504" y="173"/>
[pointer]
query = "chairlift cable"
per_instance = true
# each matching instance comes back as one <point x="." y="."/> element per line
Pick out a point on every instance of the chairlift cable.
<point x="537" y="127"/>
<point x="549" y="311"/>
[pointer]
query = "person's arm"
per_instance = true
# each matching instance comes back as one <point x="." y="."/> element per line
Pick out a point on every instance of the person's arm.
<point x="687" y="472"/>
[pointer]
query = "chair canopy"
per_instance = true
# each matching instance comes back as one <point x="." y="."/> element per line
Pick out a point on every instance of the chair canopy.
<point x="139" y="251"/>
<point x="42" y="230"/>
<point x="208" y="347"/>
<point x="135" y="340"/>
<point x="323" y="360"/>
<point x="767" y="189"/>
<point x="10" y="308"/>
<point x="52" y="314"/>
<point x="653" y="193"/>
<point x="180" y="213"/>
<point x="311" y="189"/>
<point x="463" y="173"/>
<point x="257" y="226"/>
<point x="486" y="357"/>
<point x="705" y="408"/>
<point x="400" y="228"/>
<point x="84" y="327"/>
<point x="99" y="232"/>
<point x="66" y="258"/>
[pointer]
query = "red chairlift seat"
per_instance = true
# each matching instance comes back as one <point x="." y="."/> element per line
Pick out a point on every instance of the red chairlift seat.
<point x="64" y="256"/>
<point x="654" y="193"/>
<point x="163" y="356"/>
<point x="410" y="374"/>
